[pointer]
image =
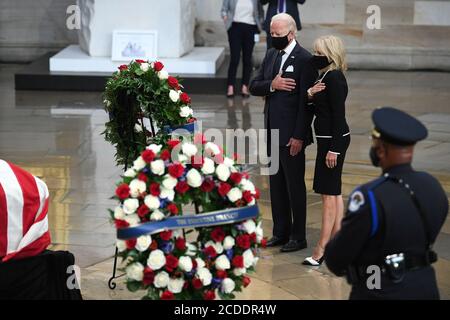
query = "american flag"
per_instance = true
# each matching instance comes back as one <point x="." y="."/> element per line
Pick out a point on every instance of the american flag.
<point x="24" y="202"/>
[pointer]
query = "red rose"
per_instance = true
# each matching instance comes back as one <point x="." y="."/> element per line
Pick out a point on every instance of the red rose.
<point x="158" y="66"/>
<point x="140" y="61"/>
<point x="194" y="264"/>
<point x="149" y="276"/>
<point x="246" y="281"/>
<point x="173" y="143"/>
<point x="182" y="187"/>
<point x="165" y="155"/>
<point x="240" y="203"/>
<point x="171" y="262"/>
<point x="224" y="188"/>
<point x="257" y="193"/>
<point x="123" y="67"/>
<point x="199" y="138"/>
<point x="143" y="177"/>
<point x="210" y="252"/>
<point x="131" y="243"/>
<point x="167" y="295"/>
<point x="123" y="191"/>
<point x="154" y="245"/>
<point x="176" y="170"/>
<point x="166" y="235"/>
<point x="247" y="195"/>
<point x="238" y="262"/>
<point x="236" y="177"/>
<point x="154" y="189"/>
<point x="245" y="175"/>
<point x="207" y="185"/>
<point x="173" y="209"/>
<point x="180" y="244"/>
<point x="221" y="274"/>
<point x="121" y="224"/>
<point x="173" y="83"/>
<point x="197" y="284"/>
<point x="193" y="120"/>
<point x="209" y="295"/>
<point x="243" y="241"/>
<point x="185" y="98"/>
<point x="218" y="234"/>
<point x="253" y="237"/>
<point x="264" y="242"/>
<point x="148" y="155"/>
<point x="235" y="156"/>
<point x="143" y="211"/>
<point x="197" y="161"/>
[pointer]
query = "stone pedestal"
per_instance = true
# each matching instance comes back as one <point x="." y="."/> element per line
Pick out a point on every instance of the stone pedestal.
<point x="173" y="19"/>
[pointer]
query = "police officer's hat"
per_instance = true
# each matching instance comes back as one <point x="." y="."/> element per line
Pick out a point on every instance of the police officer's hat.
<point x="397" y="127"/>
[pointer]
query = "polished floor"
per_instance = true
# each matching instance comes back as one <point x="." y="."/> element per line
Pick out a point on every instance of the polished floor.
<point x="57" y="136"/>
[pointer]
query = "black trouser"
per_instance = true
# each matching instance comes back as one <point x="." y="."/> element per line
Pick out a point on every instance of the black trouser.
<point x="288" y="196"/>
<point x="241" y="37"/>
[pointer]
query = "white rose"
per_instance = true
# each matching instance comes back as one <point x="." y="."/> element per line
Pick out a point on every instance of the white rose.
<point x="185" y="111"/>
<point x="163" y="74"/>
<point x="194" y="179"/>
<point x="251" y="203"/>
<point x="174" y="95"/>
<point x="216" y="245"/>
<point x="157" y="215"/>
<point x="228" y="285"/>
<point x="135" y="271"/>
<point x="107" y="103"/>
<point x="248" y="258"/>
<point x="133" y="219"/>
<point x="222" y="262"/>
<point x="156" y="260"/>
<point x="157" y="167"/>
<point x="130" y="206"/>
<point x="189" y="149"/>
<point x="208" y="166"/>
<point x="175" y="285"/>
<point x="143" y="242"/>
<point x="130" y="173"/>
<point x="200" y="263"/>
<point x="156" y="148"/>
<point x="191" y="249"/>
<point x="121" y="245"/>
<point x="167" y="193"/>
<point x="118" y="213"/>
<point x="161" y="279"/>
<point x="211" y="147"/>
<point x="234" y="194"/>
<point x="239" y="271"/>
<point x="139" y="164"/>
<point x="249" y="226"/>
<point x="222" y="171"/>
<point x="152" y="202"/>
<point x="185" y="263"/>
<point x="137" y="187"/>
<point x="259" y="233"/>
<point x="182" y="158"/>
<point x="247" y="185"/>
<point x="255" y="261"/>
<point x="169" y="182"/>
<point x="204" y="275"/>
<point x="228" y="162"/>
<point x="145" y="66"/>
<point x="228" y="242"/>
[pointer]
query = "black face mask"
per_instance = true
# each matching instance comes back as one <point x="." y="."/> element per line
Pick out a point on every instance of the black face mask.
<point x="320" y="62"/>
<point x="374" y="157"/>
<point x="280" y="43"/>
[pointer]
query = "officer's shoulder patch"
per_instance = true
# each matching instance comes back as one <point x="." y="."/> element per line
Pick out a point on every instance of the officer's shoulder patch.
<point x="357" y="200"/>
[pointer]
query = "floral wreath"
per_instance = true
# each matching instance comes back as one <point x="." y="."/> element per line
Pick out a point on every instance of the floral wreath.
<point x="137" y="91"/>
<point x="163" y="180"/>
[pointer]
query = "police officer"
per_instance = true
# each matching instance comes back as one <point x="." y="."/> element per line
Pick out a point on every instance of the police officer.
<point x="384" y="247"/>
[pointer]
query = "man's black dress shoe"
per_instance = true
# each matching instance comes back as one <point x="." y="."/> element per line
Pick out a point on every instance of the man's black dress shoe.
<point x="294" y="245"/>
<point x="275" y="241"/>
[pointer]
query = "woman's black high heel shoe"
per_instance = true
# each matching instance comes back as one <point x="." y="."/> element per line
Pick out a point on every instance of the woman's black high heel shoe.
<point x="313" y="262"/>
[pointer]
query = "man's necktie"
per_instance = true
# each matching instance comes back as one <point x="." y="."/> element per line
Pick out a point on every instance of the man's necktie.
<point x="277" y="64"/>
<point x="281" y="5"/>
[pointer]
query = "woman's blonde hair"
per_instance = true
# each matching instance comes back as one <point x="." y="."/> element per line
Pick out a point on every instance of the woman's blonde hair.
<point x="333" y="48"/>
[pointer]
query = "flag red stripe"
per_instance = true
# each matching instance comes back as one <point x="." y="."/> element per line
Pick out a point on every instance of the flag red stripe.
<point x="33" y="249"/>
<point x="3" y="223"/>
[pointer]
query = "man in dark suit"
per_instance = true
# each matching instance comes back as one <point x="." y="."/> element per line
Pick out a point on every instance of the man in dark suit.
<point x="281" y="6"/>
<point x="283" y="78"/>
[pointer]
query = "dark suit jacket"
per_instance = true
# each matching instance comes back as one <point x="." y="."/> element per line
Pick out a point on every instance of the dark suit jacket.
<point x="329" y="109"/>
<point x="291" y="9"/>
<point x="287" y="110"/>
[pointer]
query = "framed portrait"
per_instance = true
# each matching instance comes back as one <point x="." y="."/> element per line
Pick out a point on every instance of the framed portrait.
<point x="129" y="45"/>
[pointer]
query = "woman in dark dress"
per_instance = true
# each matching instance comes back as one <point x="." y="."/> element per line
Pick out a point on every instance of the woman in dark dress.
<point x="327" y="98"/>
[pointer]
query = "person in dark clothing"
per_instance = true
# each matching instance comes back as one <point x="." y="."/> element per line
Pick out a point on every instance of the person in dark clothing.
<point x="327" y="100"/>
<point x="385" y="245"/>
<point x="280" y="6"/>
<point x="283" y="78"/>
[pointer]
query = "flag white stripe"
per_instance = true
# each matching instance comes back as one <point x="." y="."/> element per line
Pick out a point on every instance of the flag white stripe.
<point x="35" y="232"/>
<point x="43" y="194"/>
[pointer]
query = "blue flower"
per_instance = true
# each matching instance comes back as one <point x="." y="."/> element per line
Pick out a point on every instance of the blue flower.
<point x="216" y="282"/>
<point x="166" y="247"/>
<point x="229" y="253"/>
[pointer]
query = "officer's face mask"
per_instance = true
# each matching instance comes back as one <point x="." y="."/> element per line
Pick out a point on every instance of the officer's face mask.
<point x="280" y="43"/>
<point x="374" y="157"/>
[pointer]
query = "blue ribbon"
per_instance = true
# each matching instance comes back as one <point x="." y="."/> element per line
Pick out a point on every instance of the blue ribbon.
<point x="209" y="219"/>
<point x="191" y="127"/>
